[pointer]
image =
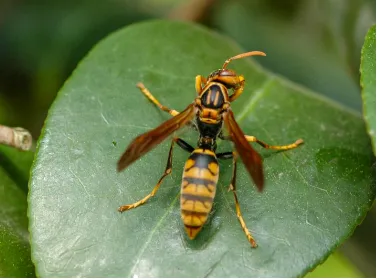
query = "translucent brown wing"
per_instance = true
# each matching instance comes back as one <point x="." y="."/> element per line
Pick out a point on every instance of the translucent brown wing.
<point x="147" y="141"/>
<point x="251" y="159"/>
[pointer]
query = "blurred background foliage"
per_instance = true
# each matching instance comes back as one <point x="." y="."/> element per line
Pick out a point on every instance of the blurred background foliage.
<point x="315" y="43"/>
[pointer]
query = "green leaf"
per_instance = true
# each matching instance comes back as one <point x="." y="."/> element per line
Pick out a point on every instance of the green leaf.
<point x="368" y="83"/>
<point x="15" y="258"/>
<point x="336" y="266"/>
<point x="17" y="164"/>
<point x="314" y="198"/>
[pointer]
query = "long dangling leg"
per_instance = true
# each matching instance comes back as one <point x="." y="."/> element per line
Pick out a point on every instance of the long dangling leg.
<point x="149" y="95"/>
<point x="232" y="187"/>
<point x="267" y="146"/>
<point x="151" y="194"/>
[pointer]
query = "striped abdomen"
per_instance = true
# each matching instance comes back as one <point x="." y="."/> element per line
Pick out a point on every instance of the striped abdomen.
<point x="198" y="189"/>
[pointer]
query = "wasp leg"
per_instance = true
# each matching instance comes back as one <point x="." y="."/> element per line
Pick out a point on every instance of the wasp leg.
<point x="225" y="155"/>
<point x="232" y="187"/>
<point x="184" y="145"/>
<point x="275" y="147"/>
<point x="181" y="143"/>
<point x="199" y="80"/>
<point x="265" y="145"/>
<point x="149" y="95"/>
<point x="168" y="170"/>
<point x="239" y="90"/>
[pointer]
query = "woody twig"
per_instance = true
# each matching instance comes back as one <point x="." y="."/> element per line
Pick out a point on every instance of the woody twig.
<point x="17" y="137"/>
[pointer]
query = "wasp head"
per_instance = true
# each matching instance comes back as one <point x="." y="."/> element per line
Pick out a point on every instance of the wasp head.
<point x="227" y="77"/>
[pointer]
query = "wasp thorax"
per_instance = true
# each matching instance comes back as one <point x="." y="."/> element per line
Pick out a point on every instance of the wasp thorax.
<point x="213" y="97"/>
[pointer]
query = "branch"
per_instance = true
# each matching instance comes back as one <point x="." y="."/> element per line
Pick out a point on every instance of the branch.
<point x="194" y="10"/>
<point x="15" y="137"/>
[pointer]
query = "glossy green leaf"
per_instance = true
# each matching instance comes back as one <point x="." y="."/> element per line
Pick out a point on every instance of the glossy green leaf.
<point x="15" y="258"/>
<point x="368" y="83"/>
<point x="315" y="195"/>
<point x="336" y="266"/>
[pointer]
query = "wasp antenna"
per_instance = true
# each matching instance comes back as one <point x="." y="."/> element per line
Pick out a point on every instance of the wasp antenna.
<point x="242" y="55"/>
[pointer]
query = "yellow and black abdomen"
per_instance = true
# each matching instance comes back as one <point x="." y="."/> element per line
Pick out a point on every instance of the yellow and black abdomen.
<point x="198" y="189"/>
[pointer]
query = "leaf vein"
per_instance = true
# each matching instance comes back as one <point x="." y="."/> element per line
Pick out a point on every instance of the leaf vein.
<point x="150" y="236"/>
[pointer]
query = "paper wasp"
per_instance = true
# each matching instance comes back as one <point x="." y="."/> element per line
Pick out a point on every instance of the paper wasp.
<point x="206" y="114"/>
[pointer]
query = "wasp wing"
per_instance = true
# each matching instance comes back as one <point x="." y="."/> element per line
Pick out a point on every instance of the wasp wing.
<point x="147" y="141"/>
<point x="251" y="159"/>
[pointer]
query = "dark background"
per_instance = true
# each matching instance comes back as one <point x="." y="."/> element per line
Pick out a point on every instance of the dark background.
<point x="315" y="43"/>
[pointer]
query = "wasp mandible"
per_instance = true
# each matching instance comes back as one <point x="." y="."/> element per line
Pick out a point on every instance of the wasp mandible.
<point x="207" y="114"/>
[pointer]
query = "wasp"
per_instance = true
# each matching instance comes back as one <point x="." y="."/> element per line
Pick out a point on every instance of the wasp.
<point x="207" y="114"/>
